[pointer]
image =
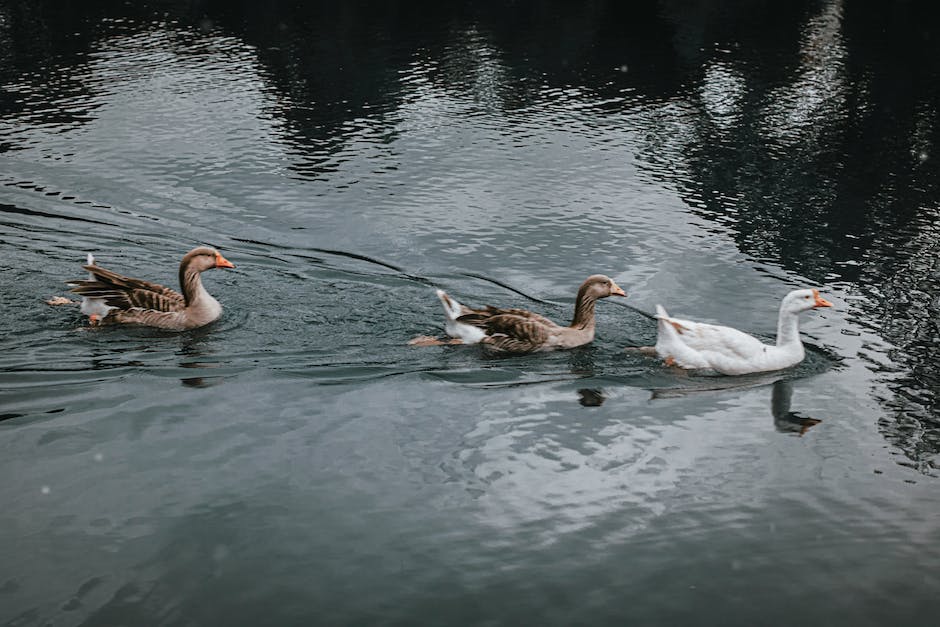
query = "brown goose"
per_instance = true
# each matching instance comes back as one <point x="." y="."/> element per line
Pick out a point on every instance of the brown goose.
<point x="521" y="331"/>
<point x="110" y="298"/>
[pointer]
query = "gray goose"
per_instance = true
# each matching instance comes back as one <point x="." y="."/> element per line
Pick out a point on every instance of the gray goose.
<point x="111" y="298"/>
<point x="519" y="330"/>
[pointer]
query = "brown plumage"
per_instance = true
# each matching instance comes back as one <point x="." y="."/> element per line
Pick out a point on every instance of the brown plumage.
<point x="522" y="331"/>
<point x="111" y="298"/>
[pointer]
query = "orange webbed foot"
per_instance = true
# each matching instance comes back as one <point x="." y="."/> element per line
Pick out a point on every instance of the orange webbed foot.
<point x="427" y="340"/>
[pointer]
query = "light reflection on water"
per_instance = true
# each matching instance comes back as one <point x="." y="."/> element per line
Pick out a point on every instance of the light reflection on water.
<point x="298" y="459"/>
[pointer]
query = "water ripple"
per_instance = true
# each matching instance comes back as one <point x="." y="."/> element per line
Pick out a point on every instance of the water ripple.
<point x="349" y="161"/>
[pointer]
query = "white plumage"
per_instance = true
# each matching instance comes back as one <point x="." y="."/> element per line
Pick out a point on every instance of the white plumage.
<point x="95" y="308"/>
<point x="468" y="334"/>
<point x="695" y="345"/>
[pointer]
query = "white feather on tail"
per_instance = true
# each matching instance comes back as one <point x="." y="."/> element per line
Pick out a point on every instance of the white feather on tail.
<point x="94" y="308"/>
<point x="668" y="336"/>
<point x="453" y="310"/>
<point x="670" y="346"/>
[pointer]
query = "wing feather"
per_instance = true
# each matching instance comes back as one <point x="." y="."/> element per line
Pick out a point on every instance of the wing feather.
<point x="481" y="317"/>
<point x="127" y="293"/>
<point x="516" y="333"/>
<point x="719" y="339"/>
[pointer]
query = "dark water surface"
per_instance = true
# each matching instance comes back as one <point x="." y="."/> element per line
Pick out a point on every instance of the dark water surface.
<point x="296" y="463"/>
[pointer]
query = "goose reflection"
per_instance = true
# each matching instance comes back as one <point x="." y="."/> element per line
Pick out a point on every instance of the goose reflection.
<point x="591" y="397"/>
<point x="581" y="363"/>
<point x="194" y="346"/>
<point x="786" y="421"/>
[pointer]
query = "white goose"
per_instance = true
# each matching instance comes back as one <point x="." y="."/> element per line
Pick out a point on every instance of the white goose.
<point x="695" y="345"/>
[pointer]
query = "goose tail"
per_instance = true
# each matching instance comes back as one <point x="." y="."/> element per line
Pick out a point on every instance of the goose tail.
<point x="90" y="261"/>
<point x="667" y="333"/>
<point x="452" y="309"/>
<point x="94" y="306"/>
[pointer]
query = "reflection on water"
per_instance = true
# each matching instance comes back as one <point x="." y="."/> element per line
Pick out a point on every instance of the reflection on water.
<point x="910" y="320"/>
<point x="350" y="158"/>
<point x="589" y="397"/>
<point x="785" y="420"/>
<point x="799" y="111"/>
<point x="781" y="384"/>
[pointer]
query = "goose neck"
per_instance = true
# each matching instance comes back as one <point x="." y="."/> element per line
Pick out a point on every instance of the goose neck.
<point x="788" y="328"/>
<point x="583" y="312"/>
<point x="191" y="284"/>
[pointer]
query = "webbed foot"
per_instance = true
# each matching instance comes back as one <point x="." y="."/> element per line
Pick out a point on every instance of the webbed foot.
<point x="427" y="340"/>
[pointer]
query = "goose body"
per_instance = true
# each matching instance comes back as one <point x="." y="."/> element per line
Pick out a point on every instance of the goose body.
<point x="696" y="345"/>
<point x="522" y="331"/>
<point x="111" y="298"/>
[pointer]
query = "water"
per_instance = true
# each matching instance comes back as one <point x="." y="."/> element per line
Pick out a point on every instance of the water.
<point x="298" y="463"/>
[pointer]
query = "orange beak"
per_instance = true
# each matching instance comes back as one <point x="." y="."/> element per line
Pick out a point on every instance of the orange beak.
<point x="820" y="301"/>
<point x="222" y="262"/>
<point x="616" y="290"/>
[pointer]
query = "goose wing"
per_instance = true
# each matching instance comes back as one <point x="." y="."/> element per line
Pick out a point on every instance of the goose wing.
<point x="483" y="318"/>
<point x="515" y="333"/>
<point x="511" y="330"/>
<point x="124" y="292"/>
<point x="715" y="338"/>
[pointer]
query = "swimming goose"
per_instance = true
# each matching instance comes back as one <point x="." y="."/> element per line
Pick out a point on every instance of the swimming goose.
<point x="695" y="345"/>
<point x="521" y="331"/>
<point x="110" y="298"/>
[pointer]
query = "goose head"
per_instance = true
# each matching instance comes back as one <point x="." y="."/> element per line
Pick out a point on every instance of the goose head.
<point x="204" y="258"/>
<point x="799" y="301"/>
<point x="599" y="286"/>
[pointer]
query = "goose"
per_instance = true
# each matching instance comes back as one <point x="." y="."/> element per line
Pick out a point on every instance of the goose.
<point x="111" y="298"/>
<point x="521" y="331"/>
<point x="694" y="345"/>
